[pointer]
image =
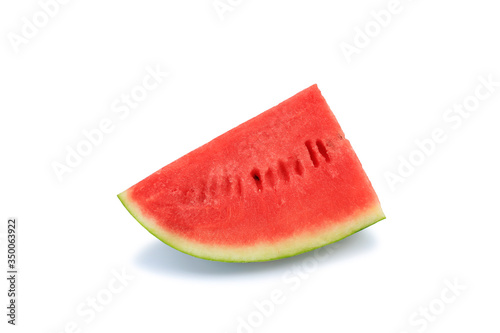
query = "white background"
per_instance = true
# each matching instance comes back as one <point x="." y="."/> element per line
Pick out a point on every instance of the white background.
<point x="442" y="221"/>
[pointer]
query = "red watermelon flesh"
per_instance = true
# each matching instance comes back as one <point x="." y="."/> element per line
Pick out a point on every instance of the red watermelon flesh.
<point x="282" y="183"/>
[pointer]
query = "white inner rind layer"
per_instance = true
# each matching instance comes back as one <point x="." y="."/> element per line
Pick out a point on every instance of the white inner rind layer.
<point x="294" y="245"/>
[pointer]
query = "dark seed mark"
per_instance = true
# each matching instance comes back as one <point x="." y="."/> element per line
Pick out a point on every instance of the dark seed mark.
<point x="258" y="180"/>
<point x="283" y="171"/>
<point x="203" y="195"/>
<point x="322" y="150"/>
<point x="299" y="168"/>
<point x="213" y="188"/>
<point x="340" y="136"/>
<point x="239" y="188"/>
<point x="312" y="153"/>
<point x="193" y="195"/>
<point x="270" y="177"/>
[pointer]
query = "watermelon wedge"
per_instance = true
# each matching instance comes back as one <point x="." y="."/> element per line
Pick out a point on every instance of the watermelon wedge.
<point x="280" y="184"/>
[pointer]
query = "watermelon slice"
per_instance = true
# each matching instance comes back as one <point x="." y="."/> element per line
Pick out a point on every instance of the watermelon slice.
<point x="280" y="184"/>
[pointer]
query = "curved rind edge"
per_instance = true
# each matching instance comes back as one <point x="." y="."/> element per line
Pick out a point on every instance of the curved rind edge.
<point x="261" y="252"/>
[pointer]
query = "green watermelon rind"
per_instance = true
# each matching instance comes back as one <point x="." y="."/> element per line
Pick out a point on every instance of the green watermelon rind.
<point x="128" y="206"/>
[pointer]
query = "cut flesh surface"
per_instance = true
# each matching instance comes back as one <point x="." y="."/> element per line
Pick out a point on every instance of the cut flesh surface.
<point x="280" y="184"/>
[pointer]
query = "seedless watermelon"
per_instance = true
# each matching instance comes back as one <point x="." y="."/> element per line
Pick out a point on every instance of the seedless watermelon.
<point x="282" y="183"/>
